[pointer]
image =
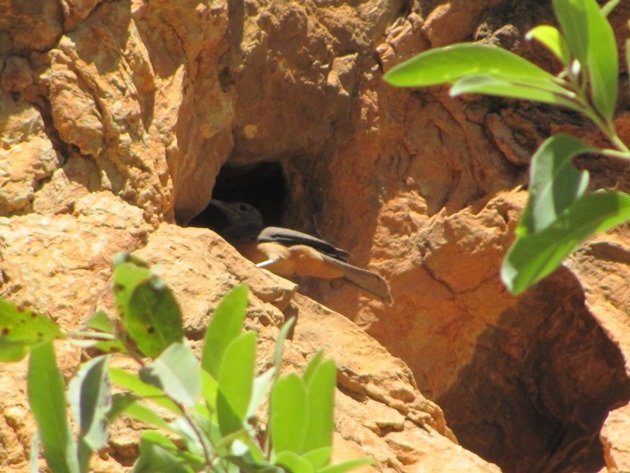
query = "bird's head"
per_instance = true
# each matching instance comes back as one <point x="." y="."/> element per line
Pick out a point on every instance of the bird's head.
<point x="242" y="219"/>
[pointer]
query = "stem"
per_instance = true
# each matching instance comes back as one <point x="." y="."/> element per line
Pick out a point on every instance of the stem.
<point x="613" y="153"/>
<point x="206" y="454"/>
<point x="89" y="334"/>
<point x="611" y="134"/>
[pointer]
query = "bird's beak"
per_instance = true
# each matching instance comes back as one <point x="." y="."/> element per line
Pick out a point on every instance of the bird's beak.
<point x="219" y="204"/>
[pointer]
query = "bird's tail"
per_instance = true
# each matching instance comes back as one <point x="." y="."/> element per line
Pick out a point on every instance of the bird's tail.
<point x="367" y="280"/>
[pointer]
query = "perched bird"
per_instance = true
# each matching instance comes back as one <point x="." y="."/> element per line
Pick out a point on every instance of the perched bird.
<point x="289" y="253"/>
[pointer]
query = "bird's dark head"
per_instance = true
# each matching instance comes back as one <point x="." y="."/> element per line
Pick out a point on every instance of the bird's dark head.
<point x="243" y="221"/>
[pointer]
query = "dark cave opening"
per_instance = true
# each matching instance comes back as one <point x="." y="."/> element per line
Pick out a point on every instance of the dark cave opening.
<point x="261" y="185"/>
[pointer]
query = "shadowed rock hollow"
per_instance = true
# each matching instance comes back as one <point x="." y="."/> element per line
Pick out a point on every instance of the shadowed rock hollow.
<point x="117" y="119"/>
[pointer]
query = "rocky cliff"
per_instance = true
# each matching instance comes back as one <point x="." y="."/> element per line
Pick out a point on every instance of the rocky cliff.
<point x="119" y="120"/>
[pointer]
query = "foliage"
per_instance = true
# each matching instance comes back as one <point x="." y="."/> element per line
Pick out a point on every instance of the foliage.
<point x="560" y="214"/>
<point x="205" y="415"/>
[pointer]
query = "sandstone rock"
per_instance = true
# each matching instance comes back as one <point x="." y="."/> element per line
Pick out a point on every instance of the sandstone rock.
<point x="115" y="118"/>
<point x="69" y="278"/>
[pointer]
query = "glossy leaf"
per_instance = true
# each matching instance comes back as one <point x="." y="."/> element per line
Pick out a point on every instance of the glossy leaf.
<point x="451" y="63"/>
<point x="133" y="383"/>
<point x="321" y="405"/>
<point x="319" y="457"/>
<point x="550" y="37"/>
<point x="571" y="15"/>
<point x="554" y="184"/>
<point x="532" y="257"/>
<point x="46" y="395"/>
<point x="153" y="318"/>
<point x="21" y="328"/>
<point x="127" y="276"/>
<point x="225" y="326"/>
<point x="262" y="385"/>
<point x="289" y="414"/>
<point x="90" y="399"/>
<point x="158" y="454"/>
<point x="176" y="372"/>
<point x="603" y="60"/>
<point x="609" y="7"/>
<point x="128" y="404"/>
<point x="33" y="456"/>
<point x="209" y="390"/>
<point x="280" y="340"/>
<point x="313" y="364"/>
<point x="100" y="322"/>
<point x="592" y="41"/>
<point x="236" y="379"/>
<point x="294" y="463"/>
<point x="485" y="84"/>
<point x="242" y="456"/>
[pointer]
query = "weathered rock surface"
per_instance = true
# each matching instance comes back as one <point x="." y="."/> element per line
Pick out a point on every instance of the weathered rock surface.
<point x="61" y="265"/>
<point x="115" y="118"/>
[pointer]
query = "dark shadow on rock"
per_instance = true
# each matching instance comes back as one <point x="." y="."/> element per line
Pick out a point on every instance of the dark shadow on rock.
<point x="540" y="384"/>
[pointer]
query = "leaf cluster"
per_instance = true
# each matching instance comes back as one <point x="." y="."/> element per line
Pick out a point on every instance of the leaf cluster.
<point x="560" y="213"/>
<point x="209" y="414"/>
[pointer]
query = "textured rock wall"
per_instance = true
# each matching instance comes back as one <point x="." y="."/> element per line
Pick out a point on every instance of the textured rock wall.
<point x="115" y="118"/>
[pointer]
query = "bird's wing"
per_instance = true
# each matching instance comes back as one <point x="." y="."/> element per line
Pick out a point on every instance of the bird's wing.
<point x="287" y="236"/>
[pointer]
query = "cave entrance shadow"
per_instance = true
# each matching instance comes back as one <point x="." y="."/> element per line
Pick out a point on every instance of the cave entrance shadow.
<point x="540" y="384"/>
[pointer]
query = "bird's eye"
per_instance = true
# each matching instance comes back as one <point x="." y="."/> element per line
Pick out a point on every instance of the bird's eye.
<point x="243" y="207"/>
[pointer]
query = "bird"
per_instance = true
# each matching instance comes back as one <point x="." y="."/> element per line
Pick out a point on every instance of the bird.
<point x="290" y="253"/>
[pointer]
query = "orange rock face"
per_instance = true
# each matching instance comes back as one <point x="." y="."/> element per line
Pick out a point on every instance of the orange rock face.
<point x="116" y="118"/>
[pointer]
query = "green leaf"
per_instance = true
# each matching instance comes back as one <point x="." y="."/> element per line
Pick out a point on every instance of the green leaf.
<point x="90" y="399"/>
<point x="262" y="384"/>
<point x="241" y="443"/>
<point x="319" y="457"/>
<point x="209" y="390"/>
<point x="294" y="463"/>
<point x="236" y="379"/>
<point x="148" y="308"/>
<point x="127" y="276"/>
<point x="451" y="63"/>
<point x="571" y="15"/>
<point x="609" y="7"/>
<point x="176" y="372"/>
<point x="133" y="383"/>
<point x="289" y="414"/>
<point x="346" y="466"/>
<point x="554" y="184"/>
<point x="153" y="317"/>
<point x="46" y="390"/>
<point x="603" y="60"/>
<point x="248" y="457"/>
<point x="21" y="328"/>
<point x="279" y="348"/>
<point x="553" y="40"/>
<point x="194" y="438"/>
<point x="127" y="404"/>
<point x="158" y="454"/>
<point x="225" y="326"/>
<point x="321" y="404"/>
<point x="312" y="366"/>
<point x="532" y="257"/>
<point x="100" y="322"/>
<point x="33" y="457"/>
<point x="592" y="40"/>
<point x="485" y="84"/>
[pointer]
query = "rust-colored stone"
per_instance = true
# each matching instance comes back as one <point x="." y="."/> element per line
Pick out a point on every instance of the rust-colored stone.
<point x="115" y="118"/>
